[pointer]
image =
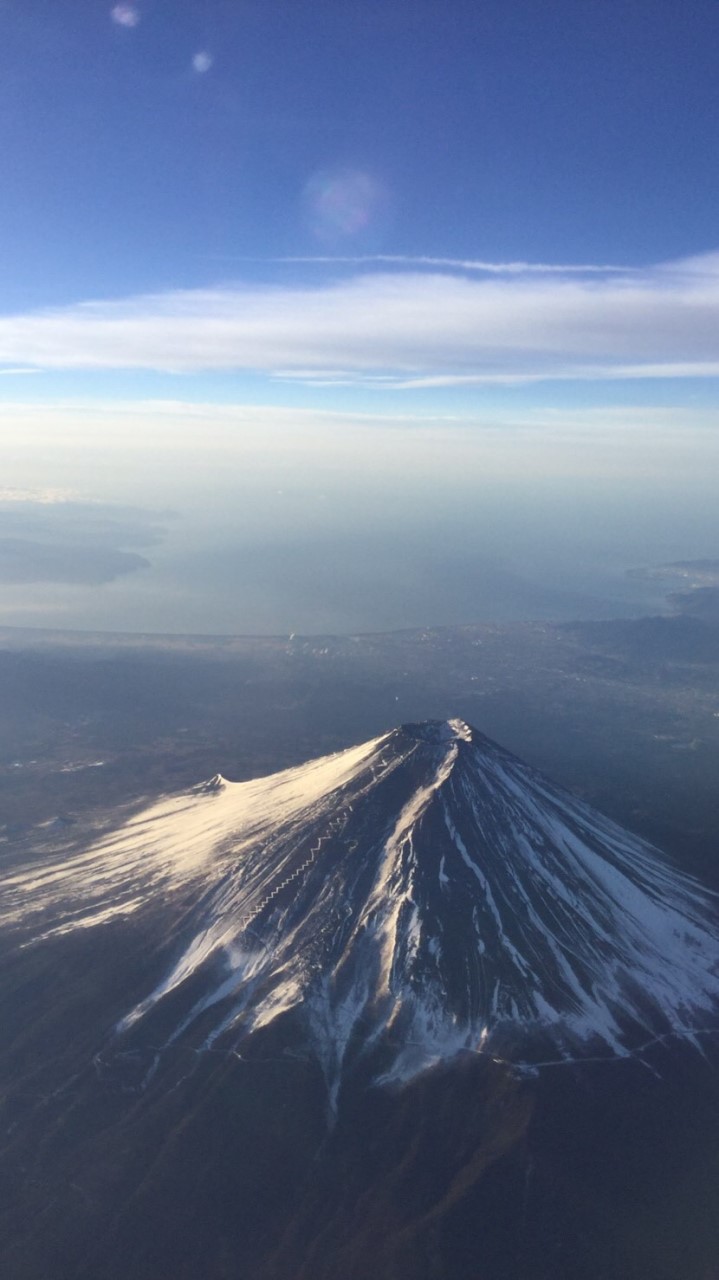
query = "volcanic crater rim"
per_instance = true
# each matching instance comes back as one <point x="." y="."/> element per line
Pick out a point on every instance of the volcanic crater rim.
<point x="439" y="731"/>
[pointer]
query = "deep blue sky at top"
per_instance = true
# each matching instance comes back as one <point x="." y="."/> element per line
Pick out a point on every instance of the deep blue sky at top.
<point x="567" y="131"/>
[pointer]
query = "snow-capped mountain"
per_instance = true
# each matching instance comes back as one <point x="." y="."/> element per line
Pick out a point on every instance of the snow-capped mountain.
<point x="423" y="894"/>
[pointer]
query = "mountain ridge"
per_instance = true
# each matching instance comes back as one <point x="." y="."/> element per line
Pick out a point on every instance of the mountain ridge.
<point x="421" y="895"/>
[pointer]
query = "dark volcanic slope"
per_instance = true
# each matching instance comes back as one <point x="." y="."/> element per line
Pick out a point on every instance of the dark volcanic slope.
<point x="420" y="895"/>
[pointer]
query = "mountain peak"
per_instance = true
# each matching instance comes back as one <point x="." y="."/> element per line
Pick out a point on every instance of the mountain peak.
<point x="438" y="731"/>
<point x="422" y="894"/>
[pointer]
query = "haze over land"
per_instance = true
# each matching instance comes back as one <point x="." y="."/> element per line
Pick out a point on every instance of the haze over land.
<point x="250" y="521"/>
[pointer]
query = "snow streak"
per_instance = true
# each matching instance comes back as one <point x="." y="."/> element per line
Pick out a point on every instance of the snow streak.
<point x="418" y="896"/>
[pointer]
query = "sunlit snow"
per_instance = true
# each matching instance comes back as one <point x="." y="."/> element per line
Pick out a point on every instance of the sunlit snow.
<point x="421" y="895"/>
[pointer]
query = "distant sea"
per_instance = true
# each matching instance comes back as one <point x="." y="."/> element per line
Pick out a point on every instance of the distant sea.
<point x="213" y="578"/>
<point x="369" y="532"/>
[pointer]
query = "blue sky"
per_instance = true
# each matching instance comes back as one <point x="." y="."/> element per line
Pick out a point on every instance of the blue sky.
<point x="357" y="204"/>
<point x="366" y="294"/>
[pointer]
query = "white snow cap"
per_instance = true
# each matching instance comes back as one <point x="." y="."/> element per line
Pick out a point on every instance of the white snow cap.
<point x="420" y="895"/>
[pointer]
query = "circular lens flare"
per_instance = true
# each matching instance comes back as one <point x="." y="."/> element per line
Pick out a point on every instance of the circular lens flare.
<point x="125" y="15"/>
<point x="202" y="62"/>
<point x="341" y="203"/>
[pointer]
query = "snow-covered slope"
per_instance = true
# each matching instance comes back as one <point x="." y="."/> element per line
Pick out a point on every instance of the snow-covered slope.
<point x="422" y="894"/>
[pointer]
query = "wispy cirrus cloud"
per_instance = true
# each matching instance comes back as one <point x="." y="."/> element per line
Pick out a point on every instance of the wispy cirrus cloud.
<point x="400" y="329"/>
<point x="478" y="265"/>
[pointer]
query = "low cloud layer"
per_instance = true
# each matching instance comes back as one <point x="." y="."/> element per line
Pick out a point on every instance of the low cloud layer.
<point x="400" y="328"/>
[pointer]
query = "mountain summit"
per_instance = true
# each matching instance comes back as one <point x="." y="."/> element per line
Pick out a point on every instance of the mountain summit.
<point x="418" y="896"/>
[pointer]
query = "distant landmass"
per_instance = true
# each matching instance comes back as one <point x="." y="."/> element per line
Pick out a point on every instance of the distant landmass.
<point x="700" y="577"/>
<point x="695" y="571"/>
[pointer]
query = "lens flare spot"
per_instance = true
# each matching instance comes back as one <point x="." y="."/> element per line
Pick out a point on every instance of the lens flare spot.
<point x="341" y="203"/>
<point x="125" y="15"/>
<point x="202" y="62"/>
